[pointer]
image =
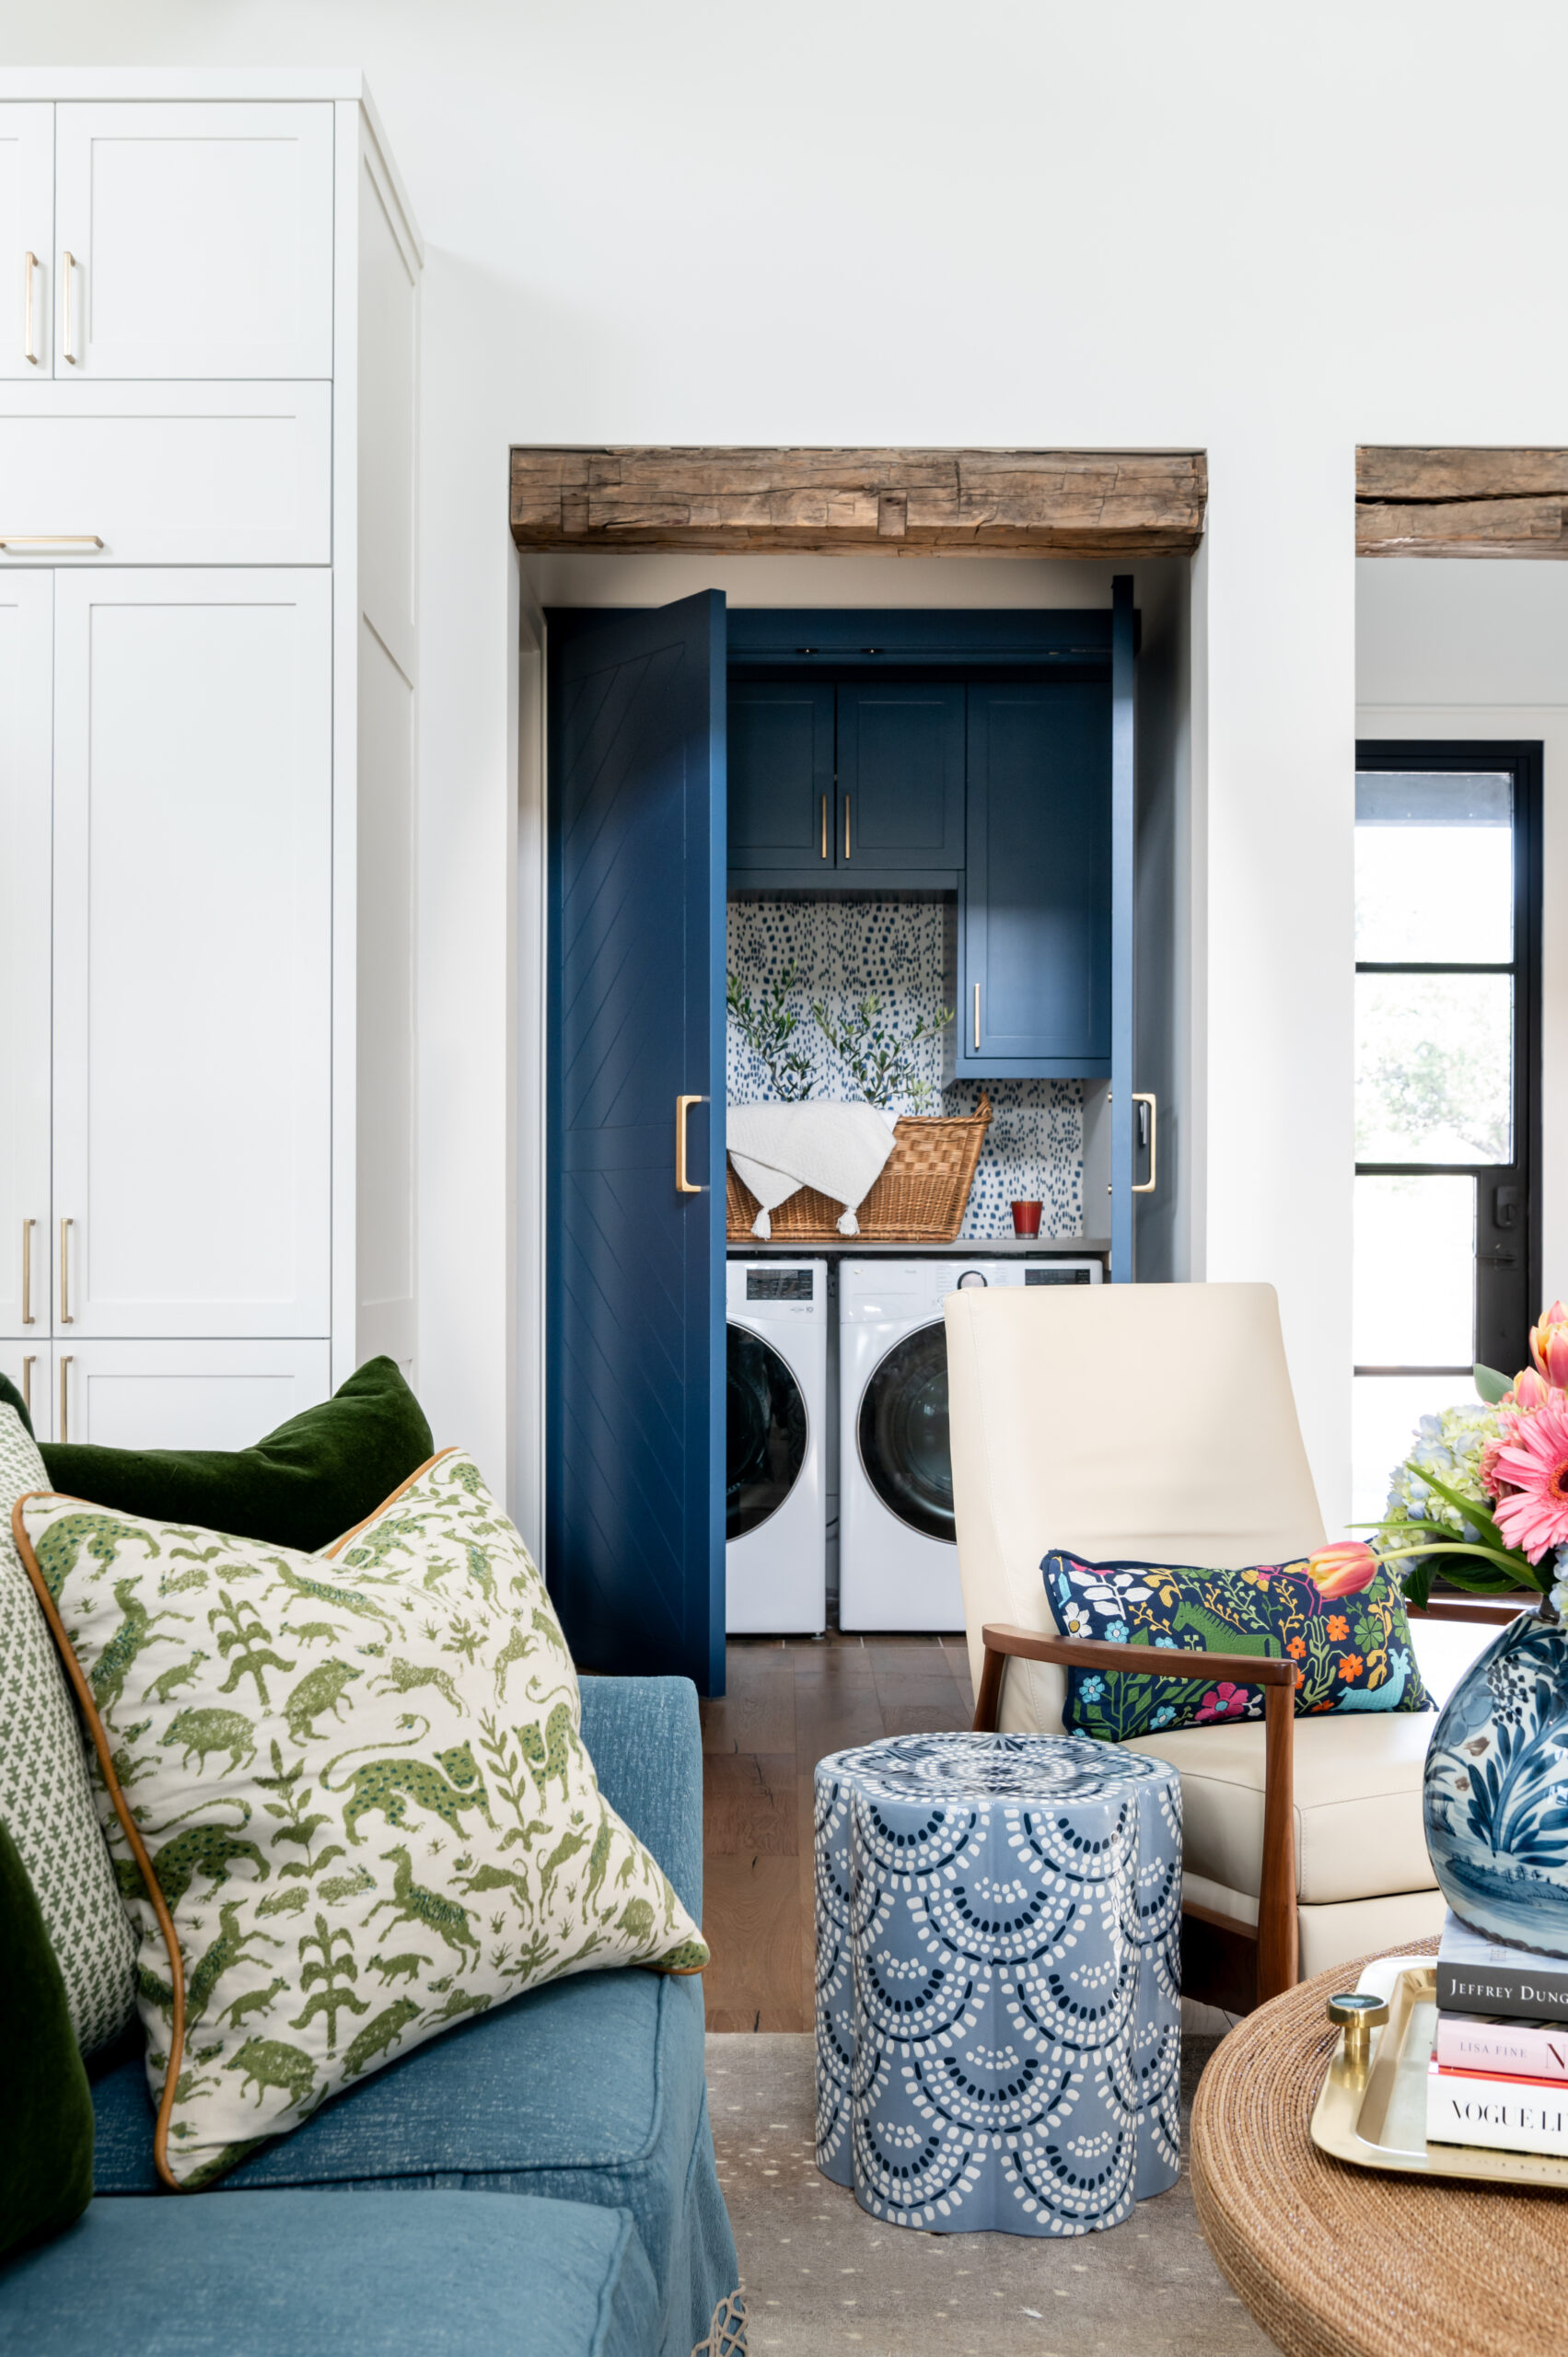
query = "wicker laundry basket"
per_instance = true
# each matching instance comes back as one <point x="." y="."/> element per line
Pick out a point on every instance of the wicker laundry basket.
<point x="920" y="1198"/>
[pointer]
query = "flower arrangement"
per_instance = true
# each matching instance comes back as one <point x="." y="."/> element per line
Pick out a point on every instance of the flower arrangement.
<point x="767" y="1026"/>
<point x="1482" y="1499"/>
<point x="882" y="1062"/>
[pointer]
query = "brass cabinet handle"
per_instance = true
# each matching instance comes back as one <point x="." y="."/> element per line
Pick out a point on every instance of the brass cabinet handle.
<point x="1141" y="1097"/>
<point x="29" y="264"/>
<point x="50" y="540"/>
<point x="67" y="264"/>
<point x="977" y="1017"/>
<point x="846" y="826"/>
<point x="824" y="826"/>
<point x="66" y="1397"/>
<point x="66" y="1317"/>
<point x="682" y="1184"/>
<point x="27" y="1317"/>
<point x="27" y="1365"/>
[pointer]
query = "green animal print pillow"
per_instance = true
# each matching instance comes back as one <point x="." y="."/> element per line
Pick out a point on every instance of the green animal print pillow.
<point x="346" y="1796"/>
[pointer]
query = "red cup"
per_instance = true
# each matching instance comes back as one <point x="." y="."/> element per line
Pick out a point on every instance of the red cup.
<point x="1026" y="1219"/>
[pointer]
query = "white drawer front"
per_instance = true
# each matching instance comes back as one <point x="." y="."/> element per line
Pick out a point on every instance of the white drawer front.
<point x="166" y="474"/>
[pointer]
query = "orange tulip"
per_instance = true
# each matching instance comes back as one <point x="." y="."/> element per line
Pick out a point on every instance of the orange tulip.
<point x="1548" y="1345"/>
<point x="1344" y="1569"/>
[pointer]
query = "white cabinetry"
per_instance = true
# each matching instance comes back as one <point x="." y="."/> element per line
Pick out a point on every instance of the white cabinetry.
<point x="208" y="666"/>
<point x="193" y="241"/>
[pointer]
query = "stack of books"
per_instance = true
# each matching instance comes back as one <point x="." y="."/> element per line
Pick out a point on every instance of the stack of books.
<point x="1499" y="2070"/>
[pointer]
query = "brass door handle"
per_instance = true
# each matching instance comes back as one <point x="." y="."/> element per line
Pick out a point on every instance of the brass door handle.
<point x="824" y="826"/>
<point x="66" y="1317"/>
<point x="67" y="264"/>
<point x="1140" y="1097"/>
<point x="683" y="1185"/>
<point x="846" y="826"/>
<point x="66" y="1398"/>
<point x="29" y="342"/>
<point x="27" y="1317"/>
<point x="977" y="1017"/>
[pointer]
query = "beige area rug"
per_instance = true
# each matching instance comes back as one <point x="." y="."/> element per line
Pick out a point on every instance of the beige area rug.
<point x="824" y="2280"/>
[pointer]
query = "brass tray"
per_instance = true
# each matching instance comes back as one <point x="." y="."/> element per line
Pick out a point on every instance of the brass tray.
<point x="1374" y="2114"/>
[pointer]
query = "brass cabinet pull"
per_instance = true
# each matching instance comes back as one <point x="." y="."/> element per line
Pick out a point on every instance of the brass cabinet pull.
<point x="66" y="1317"/>
<point x="50" y="540"/>
<point x="29" y="265"/>
<point x="846" y="826"/>
<point x="824" y="826"/>
<point x="977" y="1017"/>
<point x="67" y="264"/>
<point x="683" y="1185"/>
<point x="27" y="1365"/>
<point x="66" y="1398"/>
<point x="1141" y="1097"/>
<point x="27" y="1317"/>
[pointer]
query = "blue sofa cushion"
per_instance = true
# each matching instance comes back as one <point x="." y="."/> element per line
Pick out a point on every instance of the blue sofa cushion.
<point x="286" y="2275"/>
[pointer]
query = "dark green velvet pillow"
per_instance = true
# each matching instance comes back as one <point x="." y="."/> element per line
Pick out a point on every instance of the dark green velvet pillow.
<point x="303" y="1486"/>
<point x="11" y="1397"/>
<point x="46" y="2111"/>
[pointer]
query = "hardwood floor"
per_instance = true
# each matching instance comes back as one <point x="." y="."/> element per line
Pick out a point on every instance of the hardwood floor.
<point x="791" y="1699"/>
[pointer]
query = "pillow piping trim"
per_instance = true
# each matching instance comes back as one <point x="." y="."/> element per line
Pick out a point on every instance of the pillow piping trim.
<point x="84" y="1694"/>
<point x="375" y="1516"/>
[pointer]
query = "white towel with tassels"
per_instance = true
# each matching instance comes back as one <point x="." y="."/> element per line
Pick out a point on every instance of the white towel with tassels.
<point x="839" y="1149"/>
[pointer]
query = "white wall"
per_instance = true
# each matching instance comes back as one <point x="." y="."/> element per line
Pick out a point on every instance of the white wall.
<point x="1480" y="650"/>
<point x="893" y="221"/>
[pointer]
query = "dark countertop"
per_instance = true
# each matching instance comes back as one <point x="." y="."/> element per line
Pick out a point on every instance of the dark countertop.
<point x="965" y="1248"/>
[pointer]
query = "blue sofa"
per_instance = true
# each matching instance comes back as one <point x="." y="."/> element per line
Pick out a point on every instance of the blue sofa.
<point x="560" y="2146"/>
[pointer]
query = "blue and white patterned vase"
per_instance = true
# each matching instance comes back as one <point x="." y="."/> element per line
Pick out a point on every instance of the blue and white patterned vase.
<point x="1496" y="1790"/>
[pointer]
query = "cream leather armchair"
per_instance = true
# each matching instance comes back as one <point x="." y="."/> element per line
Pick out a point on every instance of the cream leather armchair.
<point x="1158" y="1421"/>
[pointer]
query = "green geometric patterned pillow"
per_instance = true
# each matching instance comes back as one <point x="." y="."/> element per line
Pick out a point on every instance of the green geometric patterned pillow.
<point x="347" y="1794"/>
<point x="45" y="1797"/>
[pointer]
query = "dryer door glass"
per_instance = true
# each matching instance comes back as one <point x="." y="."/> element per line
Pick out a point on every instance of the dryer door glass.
<point x="903" y="1432"/>
<point x="766" y="1432"/>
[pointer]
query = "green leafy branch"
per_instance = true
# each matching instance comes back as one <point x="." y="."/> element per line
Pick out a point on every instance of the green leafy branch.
<point x="882" y="1062"/>
<point x="768" y="1026"/>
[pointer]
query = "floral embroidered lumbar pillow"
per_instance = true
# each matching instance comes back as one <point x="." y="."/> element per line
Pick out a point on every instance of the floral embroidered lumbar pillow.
<point x="346" y="1796"/>
<point x="1351" y="1646"/>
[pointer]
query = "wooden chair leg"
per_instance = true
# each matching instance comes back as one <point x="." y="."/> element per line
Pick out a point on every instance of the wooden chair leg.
<point x="1278" y="1928"/>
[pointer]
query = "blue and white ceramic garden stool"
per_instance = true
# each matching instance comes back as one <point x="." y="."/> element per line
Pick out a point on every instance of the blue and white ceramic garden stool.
<point x="998" y="2008"/>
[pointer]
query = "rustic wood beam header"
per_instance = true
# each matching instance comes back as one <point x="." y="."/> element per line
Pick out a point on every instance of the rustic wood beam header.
<point x="900" y="503"/>
<point x="1440" y="502"/>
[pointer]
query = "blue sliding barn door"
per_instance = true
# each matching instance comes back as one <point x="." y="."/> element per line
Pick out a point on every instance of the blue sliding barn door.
<point x="634" y="1510"/>
<point x="1124" y="1132"/>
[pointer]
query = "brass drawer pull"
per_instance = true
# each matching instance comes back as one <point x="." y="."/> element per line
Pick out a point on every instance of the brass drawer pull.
<point x="977" y="1017"/>
<point x="846" y="827"/>
<point x="66" y="1397"/>
<point x="824" y="826"/>
<point x="27" y="1317"/>
<point x="29" y="342"/>
<point x="50" y="540"/>
<point x="66" y="1317"/>
<point x="67" y="264"/>
<point x="27" y="1365"/>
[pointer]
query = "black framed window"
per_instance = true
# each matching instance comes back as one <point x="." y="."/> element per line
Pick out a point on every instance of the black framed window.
<point x="1447" y="1082"/>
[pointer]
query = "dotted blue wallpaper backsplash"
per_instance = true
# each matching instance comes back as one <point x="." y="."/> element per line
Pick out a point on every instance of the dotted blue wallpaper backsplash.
<point x="901" y="951"/>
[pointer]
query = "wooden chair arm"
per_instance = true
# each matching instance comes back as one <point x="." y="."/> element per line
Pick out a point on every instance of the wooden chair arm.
<point x="1278" y="1930"/>
<point x="1487" y="1612"/>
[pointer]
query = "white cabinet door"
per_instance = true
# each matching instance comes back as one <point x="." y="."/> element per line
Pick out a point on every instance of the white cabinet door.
<point x="26" y="608"/>
<point x="29" y="1365"/>
<point x="27" y="239"/>
<point x="192" y="952"/>
<point x="166" y="474"/>
<point x="193" y="241"/>
<point x="179" y="1395"/>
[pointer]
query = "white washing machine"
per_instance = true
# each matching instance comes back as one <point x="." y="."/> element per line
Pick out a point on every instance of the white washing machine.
<point x="775" y="1551"/>
<point x="898" y="1563"/>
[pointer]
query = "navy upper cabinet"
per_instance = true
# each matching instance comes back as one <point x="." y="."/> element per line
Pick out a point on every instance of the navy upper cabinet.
<point x="1034" y="998"/>
<point x="781" y="775"/>
<point x="901" y="777"/>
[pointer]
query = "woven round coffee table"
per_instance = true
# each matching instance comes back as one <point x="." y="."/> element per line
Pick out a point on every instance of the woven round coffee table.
<point x="998" y="2031"/>
<point x="1336" y="2262"/>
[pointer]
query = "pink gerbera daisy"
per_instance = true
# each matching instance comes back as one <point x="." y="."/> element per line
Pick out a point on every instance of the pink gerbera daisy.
<point x="1533" y="1460"/>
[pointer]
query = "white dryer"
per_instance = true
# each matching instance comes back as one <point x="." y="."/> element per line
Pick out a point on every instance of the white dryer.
<point x="898" y="1563"/>
<point x="775" y="1551"/>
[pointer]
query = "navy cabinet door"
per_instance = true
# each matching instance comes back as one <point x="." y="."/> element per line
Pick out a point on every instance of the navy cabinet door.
<point x="1035" y="959"/>
<point x="781" y="775"/>
<point x="901" y="777"/>
<point x="635" y="1503"/>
